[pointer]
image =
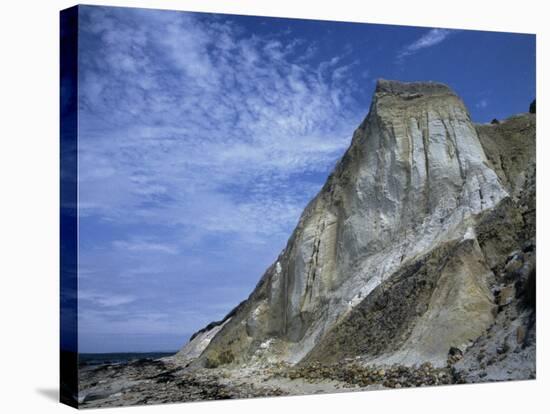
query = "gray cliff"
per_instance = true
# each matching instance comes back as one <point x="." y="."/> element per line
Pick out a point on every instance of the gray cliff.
<point x="402" y="256"/>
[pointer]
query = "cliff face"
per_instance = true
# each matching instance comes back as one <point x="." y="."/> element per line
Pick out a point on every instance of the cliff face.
<point x="395" y="259"/>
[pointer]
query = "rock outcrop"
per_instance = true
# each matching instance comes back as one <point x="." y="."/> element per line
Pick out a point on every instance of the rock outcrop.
<point x="397" y="259"/>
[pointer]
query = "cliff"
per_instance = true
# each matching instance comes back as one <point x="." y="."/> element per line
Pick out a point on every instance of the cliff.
<point x="402" y="255"/>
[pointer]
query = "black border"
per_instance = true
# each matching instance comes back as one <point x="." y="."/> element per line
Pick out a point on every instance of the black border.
<point x="68" y="214"/>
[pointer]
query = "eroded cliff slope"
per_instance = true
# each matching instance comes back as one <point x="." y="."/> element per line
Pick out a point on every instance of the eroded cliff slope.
<point x="400" y="257"/>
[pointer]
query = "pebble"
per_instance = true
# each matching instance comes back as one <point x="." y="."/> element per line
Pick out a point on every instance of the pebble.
<point x="520" y="334"/>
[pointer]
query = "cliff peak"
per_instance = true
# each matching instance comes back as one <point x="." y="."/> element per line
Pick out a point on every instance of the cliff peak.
<point x="405" y="89"/>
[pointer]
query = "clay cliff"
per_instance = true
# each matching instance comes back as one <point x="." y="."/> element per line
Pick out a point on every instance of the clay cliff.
<point x="404" y="255"/>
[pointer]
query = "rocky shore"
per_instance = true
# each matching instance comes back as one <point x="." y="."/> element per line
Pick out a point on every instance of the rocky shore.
<point x="149" y="381"/>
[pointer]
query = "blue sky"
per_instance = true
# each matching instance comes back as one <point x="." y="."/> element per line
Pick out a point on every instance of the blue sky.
<point x="202" y="137"/>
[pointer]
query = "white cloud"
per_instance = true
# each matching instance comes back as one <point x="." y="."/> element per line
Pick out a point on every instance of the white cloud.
<point x="431" y="38"/>
<point x="192" y="130"/>
<point x="106" y="299"/>
<point x="482" y="104"/>
<point x="144" y="246"/>
<point x="200" y="141"/>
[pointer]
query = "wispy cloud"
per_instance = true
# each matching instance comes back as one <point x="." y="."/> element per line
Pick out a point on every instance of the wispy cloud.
<point x="176" y="112"/>
<point x="482" y="104"/>
<point x="431" y="38"/>
<point x="199" y="140"/>
<point x="137" y="245"/>
<point x="105" y="299"/>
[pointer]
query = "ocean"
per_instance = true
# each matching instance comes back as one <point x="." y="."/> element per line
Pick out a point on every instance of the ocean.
<point x="118" y="357"/>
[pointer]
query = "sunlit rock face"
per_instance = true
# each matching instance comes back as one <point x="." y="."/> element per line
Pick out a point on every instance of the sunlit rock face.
<point x="408" y="194"/>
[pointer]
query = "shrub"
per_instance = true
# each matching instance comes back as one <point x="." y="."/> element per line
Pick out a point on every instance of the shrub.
<point x="533" y="107"/>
